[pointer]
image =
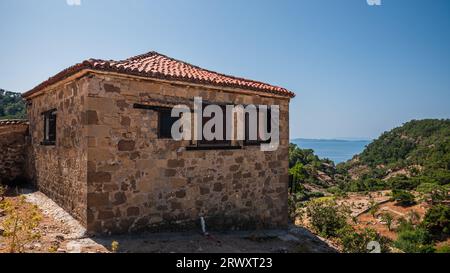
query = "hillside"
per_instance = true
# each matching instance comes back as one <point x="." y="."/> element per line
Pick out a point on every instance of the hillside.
<point x="396" y="192"/>
<point x="12" y="105"/>
<point x="417" y="152"/>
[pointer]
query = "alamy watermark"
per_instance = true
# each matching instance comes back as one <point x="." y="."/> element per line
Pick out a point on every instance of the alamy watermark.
<point x="73" y="2"/>
<point x="374" y="2"/>
<point x="228" y="122"/>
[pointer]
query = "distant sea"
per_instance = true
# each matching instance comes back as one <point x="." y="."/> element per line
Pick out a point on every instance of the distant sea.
<point x="335" y="149"/>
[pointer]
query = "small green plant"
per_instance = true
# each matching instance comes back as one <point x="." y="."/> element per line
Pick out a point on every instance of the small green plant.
<point x="114" y="246"/>
<point x="388" y="219"/>
<point x="374" y="208"/>
<point x="20" y="223"/>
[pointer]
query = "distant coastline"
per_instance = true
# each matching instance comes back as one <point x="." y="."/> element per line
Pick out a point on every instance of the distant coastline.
<point x="338" y="150"/>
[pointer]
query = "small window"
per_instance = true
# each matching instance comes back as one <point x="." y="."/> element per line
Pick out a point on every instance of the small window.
<point x="49" y="127"/>
<point x="165" y="123"/>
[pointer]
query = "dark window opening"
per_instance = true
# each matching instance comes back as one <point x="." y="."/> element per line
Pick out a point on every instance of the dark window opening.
<point x="166" y="122"/>
<point x="49" y="128"/>
<point x="258" y="141"/>
<point x="215" y="142"/>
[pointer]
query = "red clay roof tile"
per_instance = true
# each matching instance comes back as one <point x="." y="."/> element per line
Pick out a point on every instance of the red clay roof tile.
<point x="156" y="65"/>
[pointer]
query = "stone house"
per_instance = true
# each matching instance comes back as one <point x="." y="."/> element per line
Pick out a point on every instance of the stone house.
<point x="101" y="151"/>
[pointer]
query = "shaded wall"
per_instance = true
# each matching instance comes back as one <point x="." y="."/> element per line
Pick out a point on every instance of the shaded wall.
<point x="14" y="142"/>
<point x="61" y="169"/>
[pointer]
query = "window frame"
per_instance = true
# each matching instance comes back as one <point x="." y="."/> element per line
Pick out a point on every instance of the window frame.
<point x="159" y="110"/>
<point x="50" y="127"/>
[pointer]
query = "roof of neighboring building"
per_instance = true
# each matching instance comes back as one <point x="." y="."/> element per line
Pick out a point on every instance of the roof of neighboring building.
<point x="157" y="66"/>
<point x="5" y="122"/>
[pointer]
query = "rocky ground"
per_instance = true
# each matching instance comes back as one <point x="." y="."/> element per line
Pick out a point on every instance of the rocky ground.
<point x="61" y="233"/>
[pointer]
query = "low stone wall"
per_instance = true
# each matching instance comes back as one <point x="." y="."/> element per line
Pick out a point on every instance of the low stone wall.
<point x="14" y="166"/>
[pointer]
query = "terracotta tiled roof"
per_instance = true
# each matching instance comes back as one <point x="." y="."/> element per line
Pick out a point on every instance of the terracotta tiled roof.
<point x="155" y="65"/>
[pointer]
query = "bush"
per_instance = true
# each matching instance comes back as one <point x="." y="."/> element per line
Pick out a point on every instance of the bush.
<point x="433" y="192"/>
<point x="437" y="220"/>
<point x="20" y="223"/>
<point x="327" y="218"/>
<point x="358" y="242"/>
<point x="403" y="198"/>
<point x="413" y="239"/>
<point x="387" y="218"/>
<point x="403" y="183"/>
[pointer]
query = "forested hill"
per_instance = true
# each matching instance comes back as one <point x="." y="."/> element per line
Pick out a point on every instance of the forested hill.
<point x="12" y="105"/>
<point x="418" y="151"/>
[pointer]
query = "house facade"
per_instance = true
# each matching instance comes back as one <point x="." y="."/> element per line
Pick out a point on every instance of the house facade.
<point x="99" y="136"/>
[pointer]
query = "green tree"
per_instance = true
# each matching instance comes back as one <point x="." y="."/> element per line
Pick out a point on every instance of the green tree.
<point x="413" y="239"/>
<point x="403" y="198"/>
<point x="326" y="216"/>
<point x="437" y="220"/>
<point x="387" y="218"/>
<point x="358" y="242"/>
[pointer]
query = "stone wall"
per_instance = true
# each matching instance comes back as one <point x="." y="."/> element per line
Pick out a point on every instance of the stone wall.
<point x="136" y="181"/>
<point x="61" y="169"/>
<point x="13" y="152"/>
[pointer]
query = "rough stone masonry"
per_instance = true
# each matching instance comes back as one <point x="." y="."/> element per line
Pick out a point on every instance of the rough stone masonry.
<point x="112" y="172"/>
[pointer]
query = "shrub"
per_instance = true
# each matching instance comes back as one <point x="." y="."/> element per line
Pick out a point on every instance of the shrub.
<point x="403" y="183"/>
<point x="412" y="239"/>
<point x="20" y="223"/>
<point x="388" y="219"/>
<point x="358" y="242"/>
<point x="403" y="198"/>
<point x="326" y="216"/>
<point x="433" y="192"/>
<point x="437" y="220"/>
<point x="114" y="246"/>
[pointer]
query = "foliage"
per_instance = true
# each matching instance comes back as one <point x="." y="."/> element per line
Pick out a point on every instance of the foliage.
<point x="403" y="198"/>
<point x="20" y="222"/>
<point x="433" y="192"/>
<point x="305" y="166"/>
<point x="387" y="218"/>
<point x="12" y="105"/>
<point x="416" y="142"/>
<point x="114" y="246"/>
<point x="358" y="242"/>
<point x="373" y="208"/>
<point x="413" y="239"/>
<point x="420" y="148"/>
<point x="327" y="217"/>
<point x="437" y="220"/>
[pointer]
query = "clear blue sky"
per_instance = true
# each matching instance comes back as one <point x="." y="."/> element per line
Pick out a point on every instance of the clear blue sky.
<point x="358" y="70"/>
